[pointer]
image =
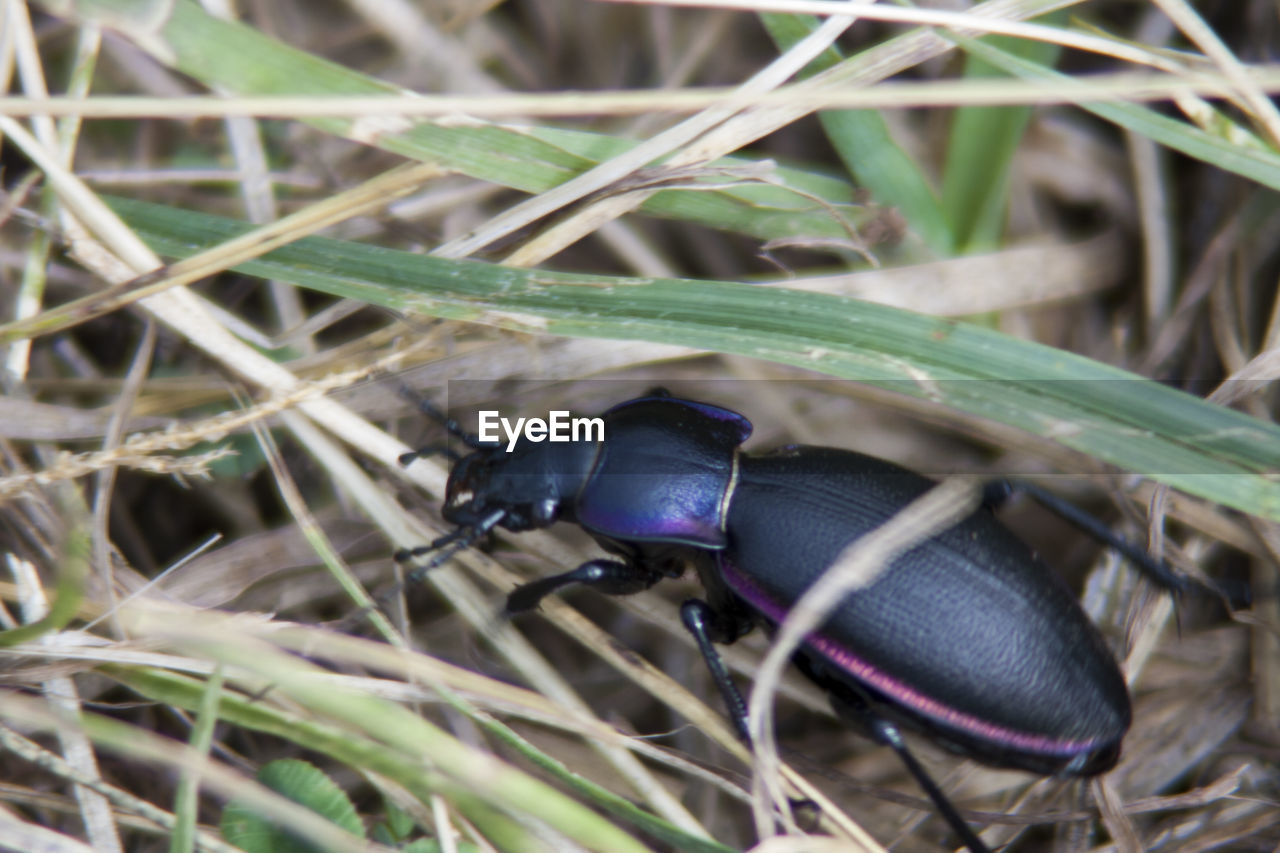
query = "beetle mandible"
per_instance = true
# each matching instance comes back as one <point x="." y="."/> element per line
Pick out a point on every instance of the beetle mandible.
<point x="968" y="638"/>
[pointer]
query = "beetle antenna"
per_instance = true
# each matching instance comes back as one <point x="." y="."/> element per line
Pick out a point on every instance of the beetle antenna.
<point x="448" y="545"/>
<point x="430" y="450"/>
<point x="441" y="417"/>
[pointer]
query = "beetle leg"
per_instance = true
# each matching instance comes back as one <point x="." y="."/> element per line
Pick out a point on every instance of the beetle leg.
<point x="612" y="577"/>
<point x="705" y="626"/>
<point x="996" y="492"/>
<point x="884" y="732"/>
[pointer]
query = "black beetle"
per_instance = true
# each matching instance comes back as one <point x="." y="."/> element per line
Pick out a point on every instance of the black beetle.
<point x="968" y="638"/>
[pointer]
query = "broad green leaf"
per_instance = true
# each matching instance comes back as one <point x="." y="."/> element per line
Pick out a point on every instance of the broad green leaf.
<point x="306" y="785"/>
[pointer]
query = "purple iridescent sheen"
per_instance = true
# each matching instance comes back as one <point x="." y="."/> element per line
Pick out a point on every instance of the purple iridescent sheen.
<point x="681" y="509"/>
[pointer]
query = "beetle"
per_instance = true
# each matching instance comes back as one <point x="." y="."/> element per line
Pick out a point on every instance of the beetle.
<point x="968" y="637"/>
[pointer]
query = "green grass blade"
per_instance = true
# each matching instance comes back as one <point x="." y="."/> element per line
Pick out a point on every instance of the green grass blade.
<point x="342" y="744"/>
<point x="73" y="573"/>
<point x="864" y="144"/>
<point x="1249" y="161"/>
<point x="187" y="798"/>
<point x="217" y="52"/>
<point x="980" y="153"/>
<point x="1110" y="414"/>
<point x="332" y="739"/>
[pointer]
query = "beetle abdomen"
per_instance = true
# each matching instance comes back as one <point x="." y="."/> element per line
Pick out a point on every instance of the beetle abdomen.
<point x="968" y="635"/>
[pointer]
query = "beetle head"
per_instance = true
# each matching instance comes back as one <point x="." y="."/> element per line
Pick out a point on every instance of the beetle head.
<point x="525" y="486"/>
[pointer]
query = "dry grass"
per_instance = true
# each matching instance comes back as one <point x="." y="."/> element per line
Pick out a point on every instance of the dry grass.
<point x="174" y="575"/>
